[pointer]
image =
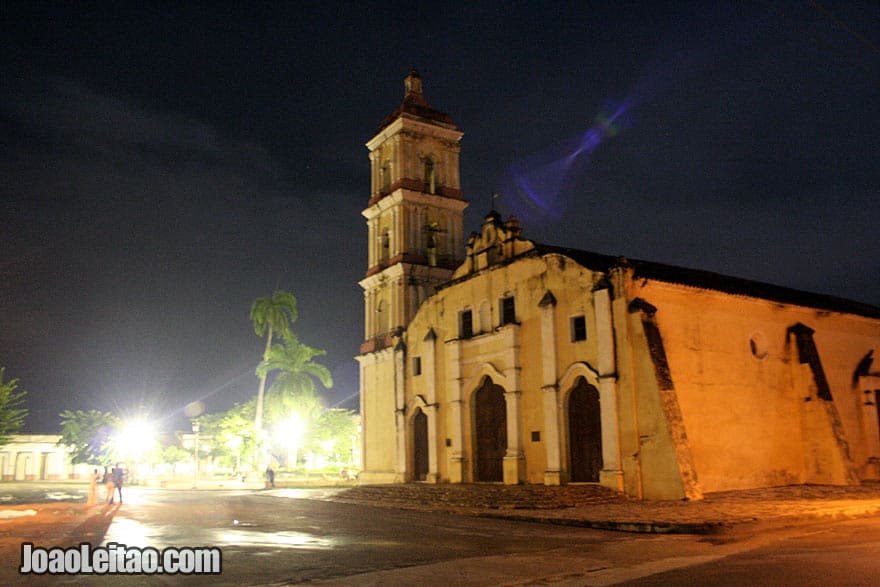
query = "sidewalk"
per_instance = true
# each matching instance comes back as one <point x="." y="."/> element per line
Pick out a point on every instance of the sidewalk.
<point x="593" y="506"/>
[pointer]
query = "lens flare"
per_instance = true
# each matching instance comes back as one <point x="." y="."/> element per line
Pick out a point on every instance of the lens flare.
<point x="536" y="182"/>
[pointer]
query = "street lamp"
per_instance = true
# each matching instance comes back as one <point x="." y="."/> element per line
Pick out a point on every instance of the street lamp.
<point x="196" y="427"/>
<point x="133" y="443"/>
<point x="290" y="432"/>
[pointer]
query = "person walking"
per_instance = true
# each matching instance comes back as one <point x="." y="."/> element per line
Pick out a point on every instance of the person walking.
<point x="118" y="478"/>
<point x="93" y="488"/>
<point x="109" y="486"/>
<point x="270" y="478"/>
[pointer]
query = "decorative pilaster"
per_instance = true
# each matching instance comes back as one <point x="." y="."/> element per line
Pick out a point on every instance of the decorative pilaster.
<point x="456" y="452"/>
<point x="611" y="474"/>
<point x="433" y="472"/>
<point x="550" y="390"/>
<point x="514" y="459"/>
<point x="429" y="372"/>
<point x="400" y="411"/>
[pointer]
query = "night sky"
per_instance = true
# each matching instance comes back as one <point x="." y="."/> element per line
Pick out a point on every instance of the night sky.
<point x="163" y="167"/>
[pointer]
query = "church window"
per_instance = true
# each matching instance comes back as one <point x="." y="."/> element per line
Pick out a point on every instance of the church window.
<point x="578" y="328"/>
<point x="430" y="176"/>
<point x="466" y="324"/>
<point x="417" y="365"/>
<point x="508" y="310"/>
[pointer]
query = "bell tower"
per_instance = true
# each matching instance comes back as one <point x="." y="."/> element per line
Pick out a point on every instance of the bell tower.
<point x="414" y="216"/>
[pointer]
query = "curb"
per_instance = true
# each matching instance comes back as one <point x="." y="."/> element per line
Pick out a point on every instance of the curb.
<point x="697" y="528"/>
<point x="701" y="528"/>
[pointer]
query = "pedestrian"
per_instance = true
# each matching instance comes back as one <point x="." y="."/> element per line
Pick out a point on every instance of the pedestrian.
<point x="270" y="477"/>
<point x="93" y="488"/>
<point x="118" y="477"/>
<point x="109" y="486"/>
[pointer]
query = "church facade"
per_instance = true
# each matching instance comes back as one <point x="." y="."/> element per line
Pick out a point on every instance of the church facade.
<point x="497" y="359"/>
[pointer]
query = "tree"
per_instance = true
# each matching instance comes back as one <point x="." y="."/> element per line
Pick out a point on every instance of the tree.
<point x="336" y="431"/>
<point x="12" y="415"/>
<point x="294" y="386"/>
<point x="173" y="454"/>
<point x="87" y="435"/>
<point x="271" y="317"/>
<point x="231" y="433"/>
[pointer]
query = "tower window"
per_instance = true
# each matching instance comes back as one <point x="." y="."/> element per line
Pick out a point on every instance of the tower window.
<point x="432" y="250"/>
<point x="382" y="318"/>
<point x="508" y="310"/>
<point x="578" y="328"/>
<point x="386" y="176"/>
<point x="385" y="245"/>
<point x="430" y="176"/>
<point x="466" y="324"/>
<point x="417" y="365"/>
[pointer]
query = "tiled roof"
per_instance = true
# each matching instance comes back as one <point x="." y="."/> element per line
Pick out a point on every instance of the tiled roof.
<point x="713" y="281"/>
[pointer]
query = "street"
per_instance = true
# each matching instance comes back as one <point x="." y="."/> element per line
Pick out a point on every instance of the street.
<point x="292" y="536"/>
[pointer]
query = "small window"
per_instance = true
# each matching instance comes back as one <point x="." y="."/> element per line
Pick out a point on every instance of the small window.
<point x="536" y="436"/>
<point x="417" y="365"/>
<point x="758" y="345"/>
<point x="578" y="328"/>
<point x="466" y="324"/>
<point x="508" y="311"/>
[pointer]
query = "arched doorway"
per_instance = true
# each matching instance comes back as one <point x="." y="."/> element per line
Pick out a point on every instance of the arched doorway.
<point x="420" y="445"/>
<point x="490" y="431"/>
<point x="584" y="432"/>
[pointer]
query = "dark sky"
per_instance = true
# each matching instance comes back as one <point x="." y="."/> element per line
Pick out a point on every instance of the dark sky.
<point x="162" y="167"/>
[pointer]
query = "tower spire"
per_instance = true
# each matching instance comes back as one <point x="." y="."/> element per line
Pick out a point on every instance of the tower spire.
<point x="413" y="86"/>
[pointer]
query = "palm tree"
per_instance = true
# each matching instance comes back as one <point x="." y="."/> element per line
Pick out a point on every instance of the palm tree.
<point x="271" y="317"/>
<point x="12" y="414"/>
<point x="295" y="384"/>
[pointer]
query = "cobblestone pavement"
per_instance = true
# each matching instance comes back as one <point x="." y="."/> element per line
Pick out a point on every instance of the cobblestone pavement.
<point x="598" y="507"/>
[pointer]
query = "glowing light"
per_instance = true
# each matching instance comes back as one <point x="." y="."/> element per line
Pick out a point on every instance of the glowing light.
<point x="135" y="439"/>
<point x="290" y="433"/>
<point x="291" y="429"/>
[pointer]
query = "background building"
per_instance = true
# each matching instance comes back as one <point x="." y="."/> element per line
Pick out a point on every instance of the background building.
<point x="38" y="457"/>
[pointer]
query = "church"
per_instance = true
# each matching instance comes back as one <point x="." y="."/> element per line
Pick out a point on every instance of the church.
<point x="491" y="358"/>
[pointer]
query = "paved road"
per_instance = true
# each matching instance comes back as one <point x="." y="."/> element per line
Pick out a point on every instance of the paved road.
<point x="292" y="537"/>
<point x="19" y="492"/>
